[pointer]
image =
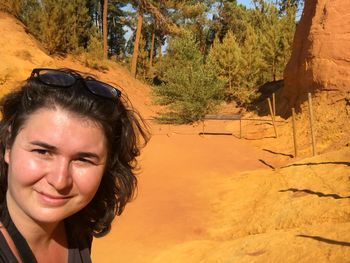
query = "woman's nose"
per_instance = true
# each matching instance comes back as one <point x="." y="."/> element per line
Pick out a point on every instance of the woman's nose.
<point x="60" y="175"/>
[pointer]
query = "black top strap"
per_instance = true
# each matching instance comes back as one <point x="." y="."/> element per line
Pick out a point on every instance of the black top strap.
<point x="6" y="254"/>
<point x="78" y="251"/>
<point x="21" y="244"/>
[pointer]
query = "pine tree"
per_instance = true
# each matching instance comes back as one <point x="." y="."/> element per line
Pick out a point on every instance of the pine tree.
<point x="276" y="32"/>
<point x="288" y="25"/>
<point x="11" y="6"/>
<point x="193" y="17"/>
<point x="233" y="17"/>
<point x="227" y="61"/>
<point x="143" y="60"/>
<point x="105" y="29"/>
<point x="189" y="89"/>
<point x="64" y="25"/>
<point x="253" y="65"/>
<point x="117" y="19"/>
<point x="155" y="9"/>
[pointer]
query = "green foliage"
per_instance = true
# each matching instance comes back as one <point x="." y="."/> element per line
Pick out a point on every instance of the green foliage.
<point x="93" y="57"/>
<point x="192" y="16"/>
<point x="28" y="11"/>
<point x="227" y="61"/>
<point x="143" y="60"/>
<point x="65" y="25"/>
<point x="232" y="17"/>
<point x="116" y="21"/>
<point x="11" y="6"/>
<point x="253" y="57"/>
<point x="242" y="47"/>
<point x="276" y="33"/>
<point x="189" y="88"/>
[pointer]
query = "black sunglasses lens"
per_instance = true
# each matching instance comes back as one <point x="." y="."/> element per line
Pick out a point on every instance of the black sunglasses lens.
<point x="63" y="79"/>
<point x="56" y="78"/>
<point x="102" y="89"/>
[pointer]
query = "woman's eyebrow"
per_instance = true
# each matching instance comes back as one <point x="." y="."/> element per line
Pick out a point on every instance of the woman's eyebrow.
<point x="44" y="145"/>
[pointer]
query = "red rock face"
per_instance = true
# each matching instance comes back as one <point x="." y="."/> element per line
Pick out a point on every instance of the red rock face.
<point x="321" y="51"/>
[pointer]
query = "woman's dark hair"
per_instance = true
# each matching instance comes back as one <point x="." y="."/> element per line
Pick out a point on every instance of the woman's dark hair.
<point x="125" y="132"/>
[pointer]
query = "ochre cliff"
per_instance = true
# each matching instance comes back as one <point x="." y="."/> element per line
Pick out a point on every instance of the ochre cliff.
<point x="320" y="59"/>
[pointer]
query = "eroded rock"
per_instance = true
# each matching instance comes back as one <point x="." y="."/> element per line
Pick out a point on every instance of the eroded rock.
<point x="320" y="59"/>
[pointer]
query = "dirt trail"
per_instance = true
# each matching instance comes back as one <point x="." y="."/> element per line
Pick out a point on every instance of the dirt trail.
<point x="209" y="199"/>
<point x="172" y="206"/>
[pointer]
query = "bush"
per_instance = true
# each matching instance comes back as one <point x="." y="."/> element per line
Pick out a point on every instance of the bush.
<point x="11" y="6"/>
<point x="189" y="89"/>
<point x="93" y="58"/>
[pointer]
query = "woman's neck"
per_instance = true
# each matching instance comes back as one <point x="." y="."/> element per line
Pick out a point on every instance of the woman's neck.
<point x="43" y="238"/>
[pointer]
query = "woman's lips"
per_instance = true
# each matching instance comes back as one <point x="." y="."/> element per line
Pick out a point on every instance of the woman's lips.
<point x="52" y="200"/>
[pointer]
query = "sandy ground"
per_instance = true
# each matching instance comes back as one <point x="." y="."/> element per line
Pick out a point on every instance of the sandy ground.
<point x="211" y="199"/>
<point x="172" y="205"/>
<point x="214" y="197"/>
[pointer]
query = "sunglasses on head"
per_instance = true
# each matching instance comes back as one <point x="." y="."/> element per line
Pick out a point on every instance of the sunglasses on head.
<point x="64" y="79"/>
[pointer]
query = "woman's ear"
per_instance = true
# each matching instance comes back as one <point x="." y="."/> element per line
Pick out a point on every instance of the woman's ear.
<point x="7" y="150"/>
<point x="7" y="155"/>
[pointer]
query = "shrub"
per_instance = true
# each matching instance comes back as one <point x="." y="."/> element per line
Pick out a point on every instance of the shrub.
<point x="93" y="57"/>
<point x="189" y="89"/>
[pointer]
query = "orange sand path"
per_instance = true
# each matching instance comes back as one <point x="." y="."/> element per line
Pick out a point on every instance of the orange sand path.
<point x="169" y="208"/>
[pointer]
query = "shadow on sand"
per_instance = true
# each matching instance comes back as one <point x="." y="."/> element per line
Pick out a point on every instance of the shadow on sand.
<point x="319" y="194"/>
<point x="301" y="164"/>
<point x="265" y="163"/>
<point x="216" y="133"/>
<point x="259" y="138"/>
<point x="284" y="154"/>
<point x="326" y="240"/>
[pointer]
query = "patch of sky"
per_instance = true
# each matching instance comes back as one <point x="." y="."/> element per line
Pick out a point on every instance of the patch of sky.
<point x="247" y="3"/>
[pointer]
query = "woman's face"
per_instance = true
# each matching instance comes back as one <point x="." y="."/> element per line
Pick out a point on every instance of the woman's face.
<point x="55" y="165"/>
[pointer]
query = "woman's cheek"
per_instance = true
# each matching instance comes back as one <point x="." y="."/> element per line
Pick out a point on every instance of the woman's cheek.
<point x="87" y="179"/>
<point x="28" y="170"/>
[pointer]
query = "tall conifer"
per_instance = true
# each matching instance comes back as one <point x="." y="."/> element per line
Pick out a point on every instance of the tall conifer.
<point x="226" y="59"/>
<point x="65" y="25"/>
<point x="189" y="89"/>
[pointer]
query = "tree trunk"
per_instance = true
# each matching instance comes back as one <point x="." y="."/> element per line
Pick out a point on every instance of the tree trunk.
<point x="160" y="50"/>
<point x="152" y="48"/>
<point x="137" y="42"/>
<point x="105" y="29"/>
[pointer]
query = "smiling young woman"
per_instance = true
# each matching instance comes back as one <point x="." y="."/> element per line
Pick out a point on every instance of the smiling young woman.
<point x="68" y="147"/>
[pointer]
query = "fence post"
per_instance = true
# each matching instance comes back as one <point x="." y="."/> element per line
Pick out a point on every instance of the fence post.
<point x="272" y="117"/>
<point x="312" y="125"/>
<point x="294" y="134"/>
<point x="274" y="104"/>
<point x="240" y="127"/>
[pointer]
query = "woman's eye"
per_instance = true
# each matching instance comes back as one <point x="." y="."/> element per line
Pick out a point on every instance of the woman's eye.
<point x="83" y="160"/>
<point x="41" y="151"/>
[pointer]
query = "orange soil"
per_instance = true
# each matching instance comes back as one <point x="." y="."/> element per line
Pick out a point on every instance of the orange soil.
<point x="169" y="208"/>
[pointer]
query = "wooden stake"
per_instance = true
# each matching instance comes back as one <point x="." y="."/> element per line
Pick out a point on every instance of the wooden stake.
<point x="240" y="128"/>
<point x="272" y="117"/>
<point x="294" y="134"/>
<point x="312" y="125"/>
<point x="274" y="104"/>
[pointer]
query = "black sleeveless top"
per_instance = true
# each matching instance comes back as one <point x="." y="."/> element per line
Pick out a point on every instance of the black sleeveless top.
<point x="77" y="253"/>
